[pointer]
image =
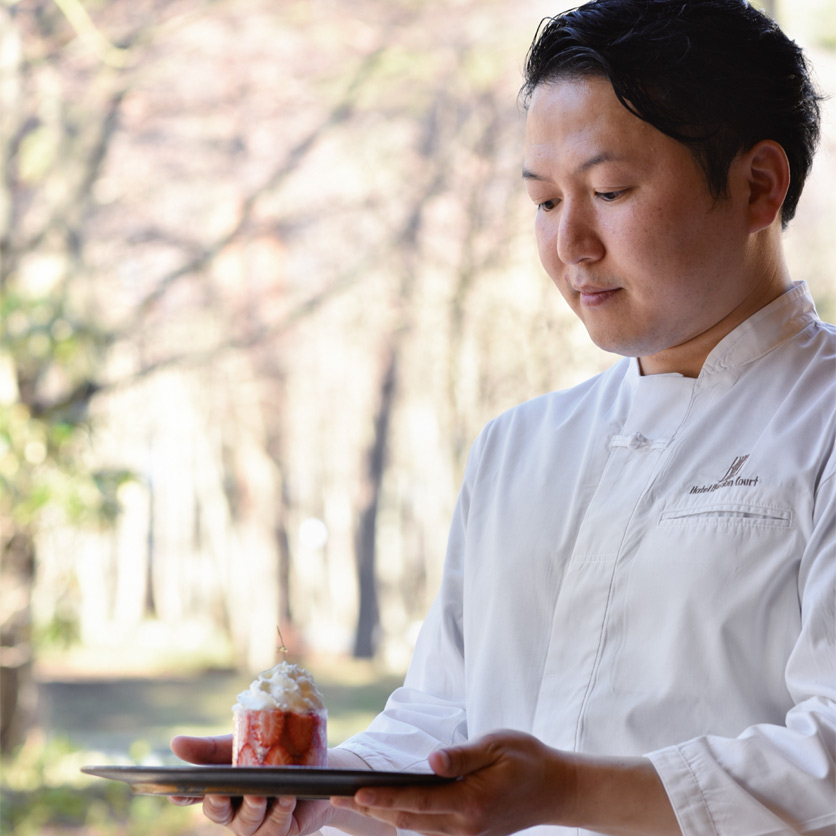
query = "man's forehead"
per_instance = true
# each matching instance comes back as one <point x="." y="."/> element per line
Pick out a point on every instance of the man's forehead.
<point x="583" y="124"/>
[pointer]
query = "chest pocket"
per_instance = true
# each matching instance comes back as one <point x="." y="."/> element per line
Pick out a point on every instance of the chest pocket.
<point x="728" y="514"/>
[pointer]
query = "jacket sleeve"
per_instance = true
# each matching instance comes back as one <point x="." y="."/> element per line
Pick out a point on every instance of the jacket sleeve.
<point x="774" y="779"/>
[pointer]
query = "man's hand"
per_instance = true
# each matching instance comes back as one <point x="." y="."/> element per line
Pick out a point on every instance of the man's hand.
<point x="255" y="816"/>
<point x="510" y="781"/>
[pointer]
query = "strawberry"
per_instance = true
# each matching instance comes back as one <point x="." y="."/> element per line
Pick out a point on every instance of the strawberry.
<point x="277" y="737"/>
<point x="298" y="733"/>
<point x="245" y="756"/>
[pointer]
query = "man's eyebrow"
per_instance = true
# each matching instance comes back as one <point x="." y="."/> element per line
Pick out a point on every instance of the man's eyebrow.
<point x="598" y="159"/>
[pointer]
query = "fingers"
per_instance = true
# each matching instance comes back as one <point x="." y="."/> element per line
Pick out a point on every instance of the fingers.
<point x="399" y="814"/>
<point x="380" y="802"/>
<point x="280" y="819"/>
<point x="254" y="815"/>
<point x="203" y="750"/>
<point x="219" y="808"/>
<point x="462" y="760"/>
<point x="183" y="800"/>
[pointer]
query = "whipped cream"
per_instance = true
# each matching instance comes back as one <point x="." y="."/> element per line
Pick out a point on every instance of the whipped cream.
<point x="284" y="686"/>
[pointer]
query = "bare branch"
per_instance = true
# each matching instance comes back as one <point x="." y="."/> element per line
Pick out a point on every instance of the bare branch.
<point x="338" y="114"/>
<point x="78" y="18"/>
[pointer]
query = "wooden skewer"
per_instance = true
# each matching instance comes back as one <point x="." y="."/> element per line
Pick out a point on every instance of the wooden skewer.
<point x="281" y="648"/>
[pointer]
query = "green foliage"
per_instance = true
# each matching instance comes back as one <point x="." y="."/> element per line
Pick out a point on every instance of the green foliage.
<point x="47" y="477"/>
<point x="62" y="631"/>
<point x="43" y="791"/>
<point x="107" y="809"/>
<point x="42" y="465"/>
<point x="45" y="432"/>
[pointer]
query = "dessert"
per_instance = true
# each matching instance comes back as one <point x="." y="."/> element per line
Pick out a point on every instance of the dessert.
<point x="280" y="720"/>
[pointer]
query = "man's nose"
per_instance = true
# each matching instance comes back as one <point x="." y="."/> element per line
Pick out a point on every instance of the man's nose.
<point x="577" y="236"/>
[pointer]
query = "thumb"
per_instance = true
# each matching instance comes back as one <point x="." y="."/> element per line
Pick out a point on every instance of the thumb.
<point x="203" y="750"/>
<point x="454" y="761"/>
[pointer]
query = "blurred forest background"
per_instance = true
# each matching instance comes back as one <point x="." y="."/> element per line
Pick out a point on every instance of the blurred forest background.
<point x="266" y="269"/>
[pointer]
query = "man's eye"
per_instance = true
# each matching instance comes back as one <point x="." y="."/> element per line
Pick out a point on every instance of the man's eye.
<point x="608" y="197"/>
<point x="546" y="205"/>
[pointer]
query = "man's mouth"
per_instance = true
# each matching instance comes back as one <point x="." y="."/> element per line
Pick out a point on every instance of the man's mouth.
<point x="594" y="296"/>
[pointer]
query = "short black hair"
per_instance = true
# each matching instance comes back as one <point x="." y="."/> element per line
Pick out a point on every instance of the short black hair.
<point x="716" y="75"/>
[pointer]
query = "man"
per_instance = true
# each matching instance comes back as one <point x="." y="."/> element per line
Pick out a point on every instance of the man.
<point x="635" y="630"/>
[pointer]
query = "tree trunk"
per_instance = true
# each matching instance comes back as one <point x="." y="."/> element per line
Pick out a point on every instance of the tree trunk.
<point x="17" y="682"/>
<point x="368" y="619"/>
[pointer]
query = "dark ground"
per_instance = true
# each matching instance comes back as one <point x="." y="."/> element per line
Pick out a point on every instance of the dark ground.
<point x="111" y="714"/>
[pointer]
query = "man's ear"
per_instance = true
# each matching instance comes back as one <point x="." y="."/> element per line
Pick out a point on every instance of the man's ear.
<point x="766" y="170"/>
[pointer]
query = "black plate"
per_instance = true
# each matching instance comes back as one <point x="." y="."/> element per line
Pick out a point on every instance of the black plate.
<point x="271" y="781"/>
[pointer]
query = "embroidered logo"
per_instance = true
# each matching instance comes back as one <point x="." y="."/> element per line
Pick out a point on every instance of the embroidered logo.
<point x="731" y="478"/>
<point x="736" y="467"/>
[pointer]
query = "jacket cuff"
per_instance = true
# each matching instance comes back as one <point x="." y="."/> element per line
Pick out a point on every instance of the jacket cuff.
<point x="684" y="791"/>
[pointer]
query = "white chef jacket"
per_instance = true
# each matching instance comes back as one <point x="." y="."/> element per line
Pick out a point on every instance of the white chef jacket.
<point x="646" y="565"/>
